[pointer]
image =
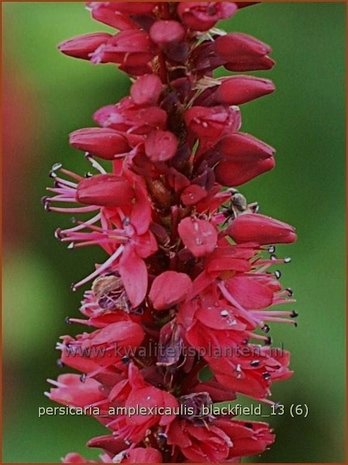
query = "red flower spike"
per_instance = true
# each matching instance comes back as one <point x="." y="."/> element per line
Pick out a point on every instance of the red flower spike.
<point x="82" y="46"/>
<point x="105" y="190"/>
<point x="161" y="145"/>
<point x="102" y="142"/>
<point x="169" y="288"/>
<point x="186" y="285"/>
<point x="199" y="236"/>
<point x="261" y="229"/>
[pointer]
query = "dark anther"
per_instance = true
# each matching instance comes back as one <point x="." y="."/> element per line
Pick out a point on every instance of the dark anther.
<point x="67" y="320"/>
<point x="266" y="375"/>
<point x="289" y="291"/>
<point x="277" y="274"/>
<point x="273" y="257"/>
<point x="83" y="377"/>
<point x="255" y="363"/>
<point x="248" y="425"/>
<point x="271" y="249"/>
<point x="125" y="359"/>
<point x="294" y="314"/>
<point x="295" y="324"/>
<point x="266" y="329"/>
<point x="268" y="341"/>
<point x="88" y="175"/>
<point x="60" y="364"/>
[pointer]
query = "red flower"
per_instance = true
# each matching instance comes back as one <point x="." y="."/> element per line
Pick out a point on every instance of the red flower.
<point x="141" y="394"/>
<point x="243" y="157"/>
<point x="146" y="90"/>
<point x="236" y="90"/>
<point x="83" y="46"/>
<point x="211" y="123"/>
<point x="70" y="391"/>
<point x="105" y="190"/>
<point x="199" y="236"/>
<point x="164" y="33"/>
<point x="102" y="142"/>
<point x="220" y="441"/>
<point x="242" y="52"/>
<point x="201" y="16"/>
<point x="168" y="289"/>
<point x="161" y="145"/>
<point x="261" y="229"/>
<point x="142" y="455"/>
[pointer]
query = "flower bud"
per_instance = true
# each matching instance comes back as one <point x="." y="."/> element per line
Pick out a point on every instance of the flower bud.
<point x="169" y="288"/>
<point x="161" y="145"/>
<point x="126" y="334"/>
<point x="143" y="455"/>
<point x="146" y="90"/>
<point x="105" y="190"/>
<point x="193" y="194"/>
<point x="70" y="391"/>
<point x="166" y="32"/>
<point x="243" y="157"/>
<point x="106" y="13"/>
<point x="201" y="16"/>
<point x="82" y="46"/>
<point x="130" y="48"/>
<point x="237" y="90"/>
<point x="252" y="227"/>
<point x="212" y="122"/>
<point x="107" y="442"/>
<point x="74" y="457"/>
<point x="102" y="142"/>
<point x="243" y="52"/>
<point x="199" y="236"/>
<point x="129" y="8"/>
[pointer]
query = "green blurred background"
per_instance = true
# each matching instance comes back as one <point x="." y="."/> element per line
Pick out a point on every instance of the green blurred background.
<point x="47" y="95"/>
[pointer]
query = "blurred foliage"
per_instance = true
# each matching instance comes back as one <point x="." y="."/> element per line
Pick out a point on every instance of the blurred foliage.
<point x="304" y="120"/>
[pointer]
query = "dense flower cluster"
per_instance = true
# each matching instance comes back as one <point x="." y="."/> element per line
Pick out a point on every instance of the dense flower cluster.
<point x="186" y="288"/>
